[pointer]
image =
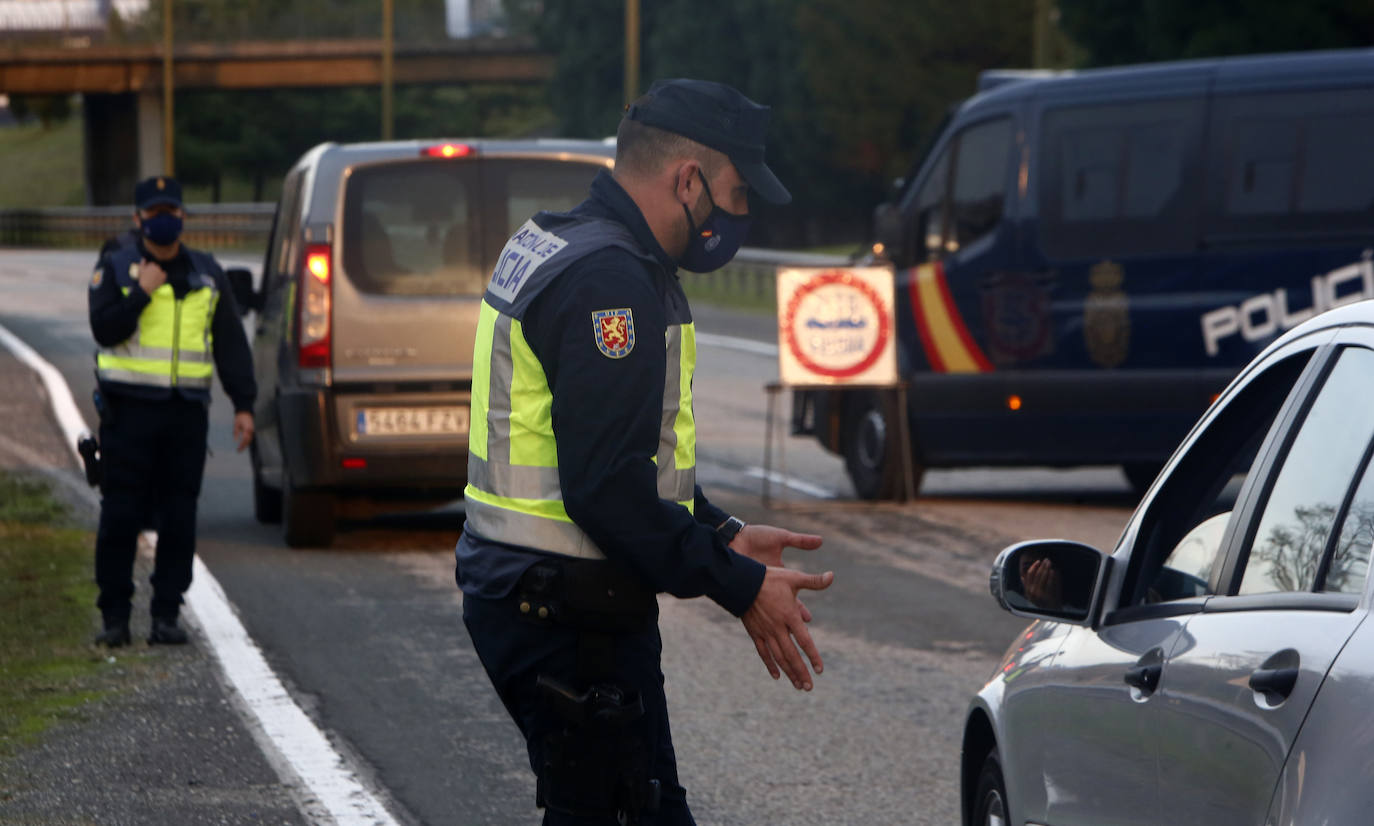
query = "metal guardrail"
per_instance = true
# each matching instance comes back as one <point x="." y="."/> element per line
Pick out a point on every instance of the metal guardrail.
<point x="750" y="280"/>
<point x="211" y="226"/>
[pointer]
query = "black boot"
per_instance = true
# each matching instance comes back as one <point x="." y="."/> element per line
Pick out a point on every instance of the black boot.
<point x="165" y="631"/>
<point x="116" y="633"/>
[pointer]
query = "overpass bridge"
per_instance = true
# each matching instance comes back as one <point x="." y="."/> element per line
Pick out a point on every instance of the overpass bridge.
<point x="121" y="85"/>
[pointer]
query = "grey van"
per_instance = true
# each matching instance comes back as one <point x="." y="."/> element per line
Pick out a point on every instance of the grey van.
<point x="374" y="272"/>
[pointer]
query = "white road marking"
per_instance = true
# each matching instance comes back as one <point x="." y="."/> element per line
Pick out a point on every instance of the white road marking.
<point x="327" y="788"/>
<point x="799" y="485"/>
<point x="743" y="345"/>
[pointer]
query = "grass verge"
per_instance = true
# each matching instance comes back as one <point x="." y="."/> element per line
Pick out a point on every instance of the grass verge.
<point x="48" y="667"/>
<point x="42" y="166"/>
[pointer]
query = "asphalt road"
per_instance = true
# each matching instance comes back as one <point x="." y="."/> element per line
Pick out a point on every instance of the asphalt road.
<point x="369" y="638"/>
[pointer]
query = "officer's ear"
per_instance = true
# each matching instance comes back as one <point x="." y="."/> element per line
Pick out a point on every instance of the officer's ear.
<point x="687" y="182"/>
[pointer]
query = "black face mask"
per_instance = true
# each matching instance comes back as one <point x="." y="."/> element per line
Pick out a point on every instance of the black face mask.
<point x="163" y="228"/>
<point x="712" y="245"/>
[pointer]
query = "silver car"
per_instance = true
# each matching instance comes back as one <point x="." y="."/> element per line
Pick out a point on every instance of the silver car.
<point x="1216" y="667"/>
<point x="378" y="258"/>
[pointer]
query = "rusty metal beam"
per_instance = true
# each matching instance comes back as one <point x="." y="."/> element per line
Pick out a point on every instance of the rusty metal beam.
<point x="286" y="64"/>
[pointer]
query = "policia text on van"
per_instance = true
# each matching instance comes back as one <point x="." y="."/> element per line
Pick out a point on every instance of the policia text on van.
<point x="1084" y="259"/>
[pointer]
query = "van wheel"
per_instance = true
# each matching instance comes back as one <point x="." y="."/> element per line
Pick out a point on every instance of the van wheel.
<point x="1140" y="475"/>
<point x="871" y="448"/>
<point x="307" y="516"/>
<point x="990" y="801"/>
<point x="266" y="500"/>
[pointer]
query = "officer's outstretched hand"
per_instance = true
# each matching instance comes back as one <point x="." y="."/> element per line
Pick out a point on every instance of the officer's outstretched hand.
<point x="243" y="429"/>
<point x="777" y="623"/>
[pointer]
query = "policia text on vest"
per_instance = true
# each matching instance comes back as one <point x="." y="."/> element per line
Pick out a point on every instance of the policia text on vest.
<point x="164" y="322"/>
<point x="582" y="502"/>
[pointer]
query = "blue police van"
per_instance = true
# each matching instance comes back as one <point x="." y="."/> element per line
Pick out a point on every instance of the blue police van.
<point x="1084" y="259"/>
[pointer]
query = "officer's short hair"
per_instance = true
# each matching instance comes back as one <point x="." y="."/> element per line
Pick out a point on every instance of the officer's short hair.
<point x="642" y="149"/>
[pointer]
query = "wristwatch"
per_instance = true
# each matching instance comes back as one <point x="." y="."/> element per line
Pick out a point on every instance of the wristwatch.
<point x="730" y="528"/>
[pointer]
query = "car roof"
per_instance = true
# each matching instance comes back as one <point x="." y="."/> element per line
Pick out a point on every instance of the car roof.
<point x="1359" y="313"/>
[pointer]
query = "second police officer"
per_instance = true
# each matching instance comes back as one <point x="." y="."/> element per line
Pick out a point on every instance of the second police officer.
<point x="582" y="502"/>
<point x="165" y="322"/>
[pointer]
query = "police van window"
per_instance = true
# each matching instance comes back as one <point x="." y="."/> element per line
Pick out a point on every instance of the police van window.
<point x="980" y="180"/>
<point x="409" y="228"/>
<point x="1292" y="163"/>
<point x="1318" y="470"/>
<point x="930" y="209"/>
<point x="1116" y="179"/>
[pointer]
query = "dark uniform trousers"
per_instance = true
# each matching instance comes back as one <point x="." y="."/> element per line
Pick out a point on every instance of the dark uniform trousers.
<point x="515" y="651"/>
<point x="153" y="457"/>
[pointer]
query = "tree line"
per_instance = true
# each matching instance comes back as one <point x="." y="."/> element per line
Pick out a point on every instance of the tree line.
<point x="857" y="86"/>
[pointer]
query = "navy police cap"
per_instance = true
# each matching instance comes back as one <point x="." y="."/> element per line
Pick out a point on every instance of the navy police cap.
<point x="159" y="190"/>
<point x="714" y="115"/>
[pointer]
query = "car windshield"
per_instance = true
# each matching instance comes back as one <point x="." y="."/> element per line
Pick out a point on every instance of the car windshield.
<point x="432" y="228"/>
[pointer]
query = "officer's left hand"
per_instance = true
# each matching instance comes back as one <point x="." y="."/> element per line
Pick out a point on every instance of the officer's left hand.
<point x="243" y="429"/>
<point x="764" y="544"/>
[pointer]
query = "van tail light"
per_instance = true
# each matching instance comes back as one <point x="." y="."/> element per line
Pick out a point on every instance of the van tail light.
<point x="316" y="306"/>
<point x="447" y="150"/>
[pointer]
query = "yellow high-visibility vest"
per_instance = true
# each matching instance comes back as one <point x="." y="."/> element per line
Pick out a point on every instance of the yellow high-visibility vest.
<point x="172" y="346"/>
<point x="513" y="493"/>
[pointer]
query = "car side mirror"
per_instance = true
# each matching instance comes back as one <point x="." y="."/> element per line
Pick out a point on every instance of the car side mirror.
<point x="241" y="284"/>
<point x="887" y="231"/>
<point x="1051" y="579"/>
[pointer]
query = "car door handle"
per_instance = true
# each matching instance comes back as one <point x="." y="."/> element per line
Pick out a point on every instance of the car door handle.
<point x="1278" y="681"/>
<point x="1145" y="677"/>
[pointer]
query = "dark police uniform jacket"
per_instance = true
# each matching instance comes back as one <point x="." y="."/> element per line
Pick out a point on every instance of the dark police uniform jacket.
<point x="607" y="414"/>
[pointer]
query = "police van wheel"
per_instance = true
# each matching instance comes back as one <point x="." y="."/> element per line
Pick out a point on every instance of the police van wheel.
<point x="307" y="516"/>
<point x="871" y="452"/>
<point x="266" y="500"/>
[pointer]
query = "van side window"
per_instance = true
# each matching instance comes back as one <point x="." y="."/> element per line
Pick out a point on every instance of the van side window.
<point x="1292" y="163"/>
<point x="286" y="227"/>
<point x="980" y="180"/>
<point x="1120" y="178"/>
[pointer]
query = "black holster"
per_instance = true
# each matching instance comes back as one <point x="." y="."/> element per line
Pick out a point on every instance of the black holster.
<point x="594" y="763"/>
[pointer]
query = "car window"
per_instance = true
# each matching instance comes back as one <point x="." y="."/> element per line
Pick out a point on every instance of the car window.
<point x="1178" y="551"/>
<point x="1301" y="510"/>
<point x="286" y="226"/>
<point x="980" y="180"/>
<point x="528" y="187"/>
<point x="411" y="229"/>
<point x="930" y="210"/>
<point x="1349" y="565"/>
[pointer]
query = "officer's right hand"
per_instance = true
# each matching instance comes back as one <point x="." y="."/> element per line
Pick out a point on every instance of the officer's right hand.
<point x="777" y="624"/>
<point x="150" y="276"/>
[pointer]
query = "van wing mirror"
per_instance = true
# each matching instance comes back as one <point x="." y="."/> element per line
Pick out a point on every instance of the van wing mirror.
<point x="241" y="284"/>
<point x="1052" y="579"/>
<point x="887" y="231"/>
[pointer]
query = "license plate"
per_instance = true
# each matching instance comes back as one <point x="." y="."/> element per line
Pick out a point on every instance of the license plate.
<point x="412" y="421"/>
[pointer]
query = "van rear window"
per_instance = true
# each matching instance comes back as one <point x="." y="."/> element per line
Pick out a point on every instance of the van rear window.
<point x="433" y="227"/>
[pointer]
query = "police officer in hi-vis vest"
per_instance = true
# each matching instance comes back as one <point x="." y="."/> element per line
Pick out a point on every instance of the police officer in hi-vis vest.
<point x="582" y="502"/>
<point x="165" y="321"/>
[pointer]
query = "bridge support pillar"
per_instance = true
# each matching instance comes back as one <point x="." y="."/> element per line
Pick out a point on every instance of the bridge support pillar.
<point x="123" y="144"/>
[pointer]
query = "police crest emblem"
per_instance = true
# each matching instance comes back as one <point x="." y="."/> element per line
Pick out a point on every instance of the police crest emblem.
<point x="96" y="277"/>
<point x="1106" y="316"/>
<point x="614" y="332"/>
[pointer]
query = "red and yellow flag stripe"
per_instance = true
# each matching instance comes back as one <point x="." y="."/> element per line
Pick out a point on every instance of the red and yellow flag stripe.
<point x="947" y="342"/>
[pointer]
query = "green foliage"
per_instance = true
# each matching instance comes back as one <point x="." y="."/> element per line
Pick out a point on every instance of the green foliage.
<point x="41" y="167"/>
<point x="47" y="667"/>
<point x="50" y="110"/>
<point x="855" y="85"/>
<point x="1134" y="31"/>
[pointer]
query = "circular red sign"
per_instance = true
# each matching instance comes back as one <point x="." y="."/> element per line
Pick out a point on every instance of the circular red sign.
<point x="827" y="279"/>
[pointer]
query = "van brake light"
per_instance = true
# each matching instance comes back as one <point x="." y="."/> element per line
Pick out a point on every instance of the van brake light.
<point x="316" y="308"/>
<point x="447" y="150"/>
